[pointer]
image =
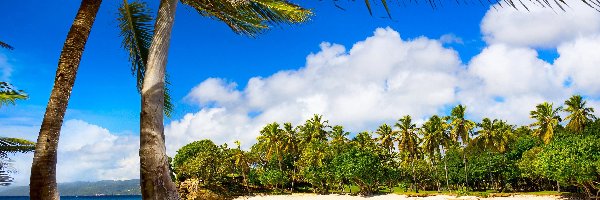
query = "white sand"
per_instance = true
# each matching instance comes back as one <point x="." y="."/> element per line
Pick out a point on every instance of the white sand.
<point x="390" y="196"/>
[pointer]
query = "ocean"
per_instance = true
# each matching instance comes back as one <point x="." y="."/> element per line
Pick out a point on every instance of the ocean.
<point x="122" y="197"/>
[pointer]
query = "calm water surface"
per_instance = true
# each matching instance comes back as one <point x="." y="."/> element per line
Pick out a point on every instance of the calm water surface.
<point x="83" y="198"/>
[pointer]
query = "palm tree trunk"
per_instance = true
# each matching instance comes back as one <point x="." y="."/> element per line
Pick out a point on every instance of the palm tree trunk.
<point x="466" y="175"/>
<point x="154" y="171"/>
<point x="446" y="169"/>
<point x="43" y="169"/>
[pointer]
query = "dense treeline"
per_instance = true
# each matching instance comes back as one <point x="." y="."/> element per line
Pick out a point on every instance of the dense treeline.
<point x="445" y="153"/>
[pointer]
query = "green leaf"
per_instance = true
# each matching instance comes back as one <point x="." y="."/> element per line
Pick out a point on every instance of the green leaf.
<point x="135" y="24"/>
<point x="9" y="95"/>
<point x="251" y="17"/>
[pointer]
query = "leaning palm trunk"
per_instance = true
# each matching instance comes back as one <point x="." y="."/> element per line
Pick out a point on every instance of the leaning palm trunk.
<point x="43" y="170"/>
<point x="156" y="182"/>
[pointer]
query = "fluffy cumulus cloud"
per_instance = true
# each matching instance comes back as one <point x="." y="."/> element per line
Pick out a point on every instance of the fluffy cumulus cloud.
<point x="540" y="27"/>
<point x="88" y="152"/>
<point x="386" y="76"/>
<point x="377" y="80"/>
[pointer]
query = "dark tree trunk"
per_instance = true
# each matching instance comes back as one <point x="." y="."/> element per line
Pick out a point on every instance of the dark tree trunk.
<point x="42" y="183"/>
<point x="154" y="168"/>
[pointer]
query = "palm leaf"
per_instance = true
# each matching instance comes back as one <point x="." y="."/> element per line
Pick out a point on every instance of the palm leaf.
<point x="250" y="17"/>
<point x="7" y="46"/>
<point x="135" y="22"/>
<point x="9" y="95"/>
<point x="15" y="145"/>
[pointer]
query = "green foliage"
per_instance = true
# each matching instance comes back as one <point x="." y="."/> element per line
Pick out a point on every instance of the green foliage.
<point x="202" y="160"/>
<point x="439" y="155"/>
<point x="547" y="119"/>
<point x="579" y="114"/>
<point x="251" y="17"/>
<point x="572" y="159"/>
<point x="360" y="166"/>
<point x="9" y="95"/>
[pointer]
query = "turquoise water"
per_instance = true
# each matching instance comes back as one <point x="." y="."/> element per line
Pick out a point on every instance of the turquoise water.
<point x="83" y="198"/>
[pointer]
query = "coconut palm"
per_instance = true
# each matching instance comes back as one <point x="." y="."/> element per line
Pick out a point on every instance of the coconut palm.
<point x="435" y="134"/>
<point x="547" y="119"/>
<point x="579" y="114"/>
<point x="408" y="142"/>
<point x="493" y="134"/>
<point x="386" y="137"/>
<point x="43" y="170"/>
<point x="248" y="17"/>
<point x="460" y="131"/>
<point x="135" y="25"/>
<point x="314" y="130"/>
<point x="461" y="128"/>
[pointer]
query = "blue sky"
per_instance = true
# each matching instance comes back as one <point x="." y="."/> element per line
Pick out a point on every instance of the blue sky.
<point x="105" y="92"/>
<point x="355" y="69"/>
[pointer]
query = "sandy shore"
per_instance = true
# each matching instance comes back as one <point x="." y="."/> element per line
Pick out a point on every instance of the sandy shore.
<point x="390" y="196"/>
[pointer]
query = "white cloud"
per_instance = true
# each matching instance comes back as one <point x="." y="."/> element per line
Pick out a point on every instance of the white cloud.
<point x="384" y="77"/>
<point x="378" y="79"/>
<point x="579" y="63"/>
<point x="87" y="152"/>
<point x="540" y="27"/>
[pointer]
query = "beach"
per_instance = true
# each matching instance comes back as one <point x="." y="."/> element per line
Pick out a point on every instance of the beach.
<point x="390" y="197"/>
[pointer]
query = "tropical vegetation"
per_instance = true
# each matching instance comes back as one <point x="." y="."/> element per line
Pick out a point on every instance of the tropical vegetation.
<point x="445" y="153"/>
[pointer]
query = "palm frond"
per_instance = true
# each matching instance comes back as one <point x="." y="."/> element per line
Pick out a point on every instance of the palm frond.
<point x="7" y="46"/>
<point x="516" y="4"/>
<point x="9" y="95"/>
<point x="15" y="145"/>
<point x="135" y="22"/>
<point x="250" y="17"/>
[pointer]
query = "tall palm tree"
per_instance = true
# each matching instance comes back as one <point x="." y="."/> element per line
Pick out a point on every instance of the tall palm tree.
<point x="579" y="114"/>
<point x="43" y="170"/>
<point x="460" y="131"/>
<point x="248" y="17"/>
<point x="408" y="141"/>
<point x="493" y="135"/>
<point x="386" y="137"/>
<point x="314" y="129"/>
<point x="435" y="134"/>
<point x="461" y="128"/>
<point x="547" y="119"/>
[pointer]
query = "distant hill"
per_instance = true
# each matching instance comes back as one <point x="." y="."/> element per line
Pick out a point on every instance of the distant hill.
<point x="108" y="187"/>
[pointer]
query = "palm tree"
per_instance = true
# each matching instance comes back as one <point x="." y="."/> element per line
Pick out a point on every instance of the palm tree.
<point x="135" y="25"/>
<point x="386" y="137"/>
<point x="248" y="17"/>
<point x="460" y="131"/>
<point x="579" y="114"/>
<point x="435" y="134"/>
<point x="547" y="119"/>
<point x="241" y="162"/>
<point x="494" y="135"/>
<point x="43" y="170"/>
<point x="408" y="141"/>
<point x="314" y="129"/>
